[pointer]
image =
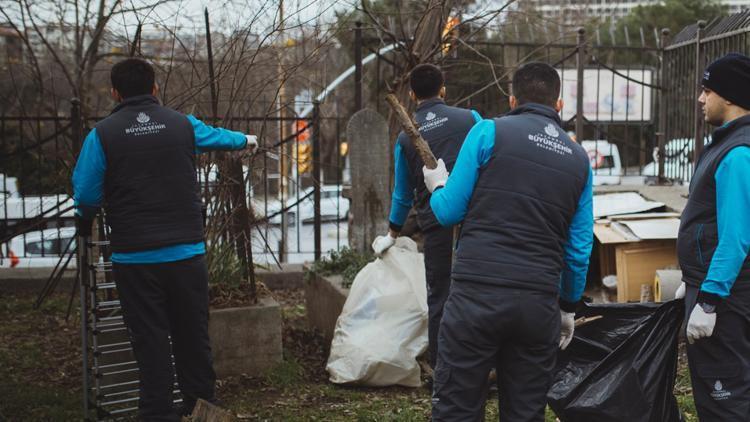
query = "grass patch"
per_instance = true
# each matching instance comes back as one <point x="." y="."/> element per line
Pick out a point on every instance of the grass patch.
<point x="286" y="374"/>
<point x="40" y="375"/>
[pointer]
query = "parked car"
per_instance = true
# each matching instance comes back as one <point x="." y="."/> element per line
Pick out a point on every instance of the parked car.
<point x="678" y="162"/>
<point x="605" y="162"/>
<point x="333" y="206"/>
<point x="38" y="249"/>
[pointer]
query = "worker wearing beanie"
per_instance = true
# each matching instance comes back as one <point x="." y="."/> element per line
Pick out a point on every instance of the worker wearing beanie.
<point x="523" y="190"/>
<point x="444" y="128"/>
<point x="713" y="245"/>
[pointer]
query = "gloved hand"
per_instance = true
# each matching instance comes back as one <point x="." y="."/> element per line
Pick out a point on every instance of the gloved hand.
<point x="567" y="326"/>
<point x="83" y="226"/>
<point x="383" y="243"/>
<point x="701" y="324"/>
<point x="435" y="177"/>
<point x="252" y="143"/>
<point x="680" y="292"/>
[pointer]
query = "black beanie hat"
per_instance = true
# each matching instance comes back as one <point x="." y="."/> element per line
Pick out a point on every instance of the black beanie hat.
<point x="729" y="77"/>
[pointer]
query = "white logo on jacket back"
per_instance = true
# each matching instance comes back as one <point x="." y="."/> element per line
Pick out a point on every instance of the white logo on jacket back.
<point x="550" y="141"/>
<point x="432" y="121"/>
<point x="551" y="130"/>
<point x="144" y="126"/>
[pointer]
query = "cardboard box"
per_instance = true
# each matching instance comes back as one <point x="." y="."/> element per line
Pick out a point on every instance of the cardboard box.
<point x="633" y="259"/>
<point x="637" y="264"/>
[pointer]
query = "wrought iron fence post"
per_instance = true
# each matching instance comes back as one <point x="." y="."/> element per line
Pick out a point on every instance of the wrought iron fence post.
<point x="662" y="135"/>
<point x="358" y="67"/>
<point x="699" y="58"/>
<point x="317" y="179"/>
<point x="76" y="126"/>
<point x="580" y="63"/>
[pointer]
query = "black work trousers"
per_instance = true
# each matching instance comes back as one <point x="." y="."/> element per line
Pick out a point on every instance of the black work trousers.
<point x="161" y="302"/>
<point x="720" y="364"/>
<point x="484" y="327"/>
<point x="438" y="257"/>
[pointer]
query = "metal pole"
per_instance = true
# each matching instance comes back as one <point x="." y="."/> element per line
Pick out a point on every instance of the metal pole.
<point x="358" y="67"/>
<point x="75" y="125"/>
<point x="317" y="179"/>
<point x="698" y="87"/>
<point x="283" y="188"/>
<point x="83" y="273"/>
<point x="662" y="138"/>
<point x="211" y="76"/>
<point x="580" y="62"/>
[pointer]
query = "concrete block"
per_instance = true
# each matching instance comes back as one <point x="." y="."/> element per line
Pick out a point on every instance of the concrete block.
<point x="289" y="276"/>
<point x="324" y="298"/>
<point x="246" y="340"/>
<point x="32" y="280"/>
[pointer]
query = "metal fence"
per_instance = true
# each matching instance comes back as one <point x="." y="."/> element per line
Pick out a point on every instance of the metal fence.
<point x="37" y="155"/>
<point x="610" y="87"/>
<point x="685" y="59"/>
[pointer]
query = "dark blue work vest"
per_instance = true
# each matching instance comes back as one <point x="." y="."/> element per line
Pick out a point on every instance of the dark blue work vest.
<point x="150" y="187"/>
<point x="524" y="200"/>
<point x="699" y="232"/>
<point x="444" y="128"/>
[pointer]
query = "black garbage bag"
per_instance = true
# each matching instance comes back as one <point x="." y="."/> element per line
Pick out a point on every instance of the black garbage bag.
<point x="621" y="366"/>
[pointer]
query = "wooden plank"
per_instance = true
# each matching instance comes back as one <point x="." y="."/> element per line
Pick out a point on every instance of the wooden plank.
<point x="606" y="234"/>
<point x="645" y="216"/>
<point x="207" y="412"/>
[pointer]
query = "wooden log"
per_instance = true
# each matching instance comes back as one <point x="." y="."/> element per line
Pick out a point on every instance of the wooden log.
<point x="207" y="412"/>
<point x="407" y="124"/>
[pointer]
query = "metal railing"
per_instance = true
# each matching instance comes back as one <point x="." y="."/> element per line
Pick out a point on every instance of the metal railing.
<point x="685" y="59"/>
<point x="37" y="156"/>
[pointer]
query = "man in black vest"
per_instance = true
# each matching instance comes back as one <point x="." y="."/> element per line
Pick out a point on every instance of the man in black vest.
<point x="140" y="164"/>
<point x="713" y="245"/>
<point x="444" y="128"/>
<point x="523" y="191"/>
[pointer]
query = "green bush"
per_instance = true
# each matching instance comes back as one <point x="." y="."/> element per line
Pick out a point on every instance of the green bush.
<point x="347" y="263"/>
<point x="224" y="267"/>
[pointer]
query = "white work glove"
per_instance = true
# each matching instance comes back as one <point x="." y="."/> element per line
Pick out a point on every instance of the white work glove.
<point x="700" y="324"/>
<point x="680" y="292"/>
<point x="252" y="143"/>
<point x="567" y="326"/>
<point x="383" y="243"/>
<point x="435" y="177"/>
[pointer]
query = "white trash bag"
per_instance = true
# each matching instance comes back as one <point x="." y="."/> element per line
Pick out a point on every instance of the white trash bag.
<point x="383" y="326"/>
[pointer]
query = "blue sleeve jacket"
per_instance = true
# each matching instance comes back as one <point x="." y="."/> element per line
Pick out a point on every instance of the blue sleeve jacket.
<point x="450" y="204"/>
<point x="88" y="186"/>
<point x="403" y="187"/>
<point x="732" y="179"/>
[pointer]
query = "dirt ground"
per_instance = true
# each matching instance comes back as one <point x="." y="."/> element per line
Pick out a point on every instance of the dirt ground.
<point x="40" y="374"/>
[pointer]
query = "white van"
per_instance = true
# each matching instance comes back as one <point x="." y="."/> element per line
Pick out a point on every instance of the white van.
<point x="605" y="162"/>
<point x="38" y="249"/>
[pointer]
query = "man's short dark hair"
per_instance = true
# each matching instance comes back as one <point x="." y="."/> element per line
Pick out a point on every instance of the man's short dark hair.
<point x="426" y="80"/>
<point x="536" y="82"/>
<point x="132" y="77"/>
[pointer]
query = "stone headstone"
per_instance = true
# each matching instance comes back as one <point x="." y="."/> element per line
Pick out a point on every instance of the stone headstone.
<point x="369" y="158"/>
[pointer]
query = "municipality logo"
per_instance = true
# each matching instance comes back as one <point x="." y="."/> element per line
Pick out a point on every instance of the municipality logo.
<point x="430" y="116"/>
<point x="551" y="131"/>
<point x="143" y="118"/>
<point x="719" y="393"/>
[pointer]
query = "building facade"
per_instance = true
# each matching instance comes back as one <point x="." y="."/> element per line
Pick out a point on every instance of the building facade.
<point x="578" y="11"/>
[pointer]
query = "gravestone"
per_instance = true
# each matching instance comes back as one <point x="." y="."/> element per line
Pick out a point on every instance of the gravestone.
<point x="369" y="158"/>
